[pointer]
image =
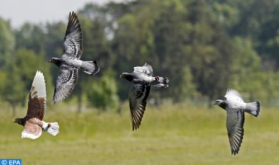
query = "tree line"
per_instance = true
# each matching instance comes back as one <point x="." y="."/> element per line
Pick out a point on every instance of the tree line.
<point x="202" y="46"/>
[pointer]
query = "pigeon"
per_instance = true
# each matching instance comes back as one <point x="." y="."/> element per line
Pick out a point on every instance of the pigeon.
<point x="235" y="107"/>
<point x="142" y="81"/>
<point x="70" y="62"/>
<point x="33" y="121"/>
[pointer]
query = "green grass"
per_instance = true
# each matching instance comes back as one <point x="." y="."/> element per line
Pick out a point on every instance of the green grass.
<point x="169" y="135"/>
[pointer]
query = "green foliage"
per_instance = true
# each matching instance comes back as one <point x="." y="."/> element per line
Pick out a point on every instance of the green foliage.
<point x="102" y="94"/>
<point x="7" y="42"/>
<point x="6" y="36"/>
<point x="186" y="88"/>
<point x="246" y="62"/>
<point x="27" y="63"/>
<point x="202" y="46"/>
<point x="13" y="91"/>
<point x="22" y="69"/>
<point x="30" y="36"/>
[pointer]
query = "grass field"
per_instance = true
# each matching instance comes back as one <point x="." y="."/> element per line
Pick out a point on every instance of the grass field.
<point x="169" y="135"/>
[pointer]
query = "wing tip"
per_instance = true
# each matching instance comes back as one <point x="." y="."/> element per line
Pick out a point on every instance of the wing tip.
<point x="39" y="84"/>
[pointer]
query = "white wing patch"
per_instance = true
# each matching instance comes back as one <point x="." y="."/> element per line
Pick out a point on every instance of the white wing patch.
<point x="38" y="86"/>
<point x="146" y="69"/>
<point x="232" y="94"/>
<point x="25" y="134"/>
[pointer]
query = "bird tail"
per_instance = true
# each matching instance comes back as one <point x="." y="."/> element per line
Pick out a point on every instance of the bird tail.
<point x="162" y="82"/>
<point x="51" y="128"/>
<point x="90" y="67"/>
<point x="253" y="108"/>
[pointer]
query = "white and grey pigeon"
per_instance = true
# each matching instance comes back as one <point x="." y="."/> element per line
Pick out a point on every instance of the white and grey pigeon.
<point x="33" y="121"/>
<point x="70" y="62"/>
<point x="235" y="107"/>
<point x="142" y="80"/>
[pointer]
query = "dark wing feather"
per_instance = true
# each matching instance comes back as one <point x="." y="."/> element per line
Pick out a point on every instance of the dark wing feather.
<point x="235" y="122"/>
<point x="36" y="107"/>
<point x="73" y="37"/>
<point x="137" y="98"/>
<point x="65" y="82"/>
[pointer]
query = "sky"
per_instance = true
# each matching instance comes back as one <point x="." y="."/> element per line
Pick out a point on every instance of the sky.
<point x="41" y="11"/>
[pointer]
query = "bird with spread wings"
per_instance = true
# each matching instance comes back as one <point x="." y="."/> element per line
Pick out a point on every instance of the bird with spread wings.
<point x="142" y="79"/>
<point x="70" y="62"/>
<point x="235" y="108"/>
<point x="33" y="121"/>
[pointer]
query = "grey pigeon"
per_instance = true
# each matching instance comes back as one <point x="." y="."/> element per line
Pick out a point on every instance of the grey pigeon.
<point x="235" y="107"/>
<point x="70" y="62"/>
<point x="33" y="121"/>
<point x="142" y="80"/>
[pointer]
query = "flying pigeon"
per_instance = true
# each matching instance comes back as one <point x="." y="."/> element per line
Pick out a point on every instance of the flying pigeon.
<point x="235" y="107"/>
<point x="70" y="62"/>
<point x="142" y="80"/>
<point x="33" y="121"/>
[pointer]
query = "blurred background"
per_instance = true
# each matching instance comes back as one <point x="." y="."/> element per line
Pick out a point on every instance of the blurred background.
<point x="202" y="46"/>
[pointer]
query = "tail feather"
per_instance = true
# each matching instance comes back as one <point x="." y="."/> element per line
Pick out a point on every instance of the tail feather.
<point x="51" y="128"/>
<point x="162" y="82"/>
<point x="253" y="108"/>
<point x="90" y="67"/>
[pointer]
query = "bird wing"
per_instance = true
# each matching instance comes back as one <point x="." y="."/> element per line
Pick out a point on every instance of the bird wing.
<point x="233" y="94"/>
<point x="31" y="130"/>
<point x="37" y="97"/>
<point x="137" y="99"/>
<point x="73" y="37"/>
<point x="65" y="82"/>
<point x="235" y="122"/>
<point x="146" y="69"/>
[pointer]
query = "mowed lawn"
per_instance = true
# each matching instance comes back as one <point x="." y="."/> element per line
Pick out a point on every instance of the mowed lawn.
<point x="169" y="135"/>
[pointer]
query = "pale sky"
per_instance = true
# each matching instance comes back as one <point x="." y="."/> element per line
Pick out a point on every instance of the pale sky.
<point x="41" y="11"/>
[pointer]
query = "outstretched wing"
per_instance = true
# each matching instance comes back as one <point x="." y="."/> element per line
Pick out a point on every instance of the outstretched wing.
<point x="137" y="98"/>
<point x="65" y="82"/>
<point x="37" y="97"/>
<point x="235" y="122"/>
<point x="233" y="94"/>
<point x="146" y="69"/>
<point x="73" y="37"/>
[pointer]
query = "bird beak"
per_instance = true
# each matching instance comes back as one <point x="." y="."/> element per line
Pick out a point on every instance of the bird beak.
<point x="215" y="103"/>
<point x="120" y="76"/>
<point x="49" y="60"/>
<point x="14" y="121"/>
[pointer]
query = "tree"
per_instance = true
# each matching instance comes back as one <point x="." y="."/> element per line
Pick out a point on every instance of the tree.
<point x="103" y="93"/>
<point x="7" y="42"/>
<point x="13" y="91"/>
<point x="30" y="36"/>
<point x="22" y="69"/>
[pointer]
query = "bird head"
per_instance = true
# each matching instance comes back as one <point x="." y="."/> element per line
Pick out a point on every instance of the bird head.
<point x="220" y="103"/>
<point x="19" y="121"/>
<point x="127" y="76"/>
<point x="56" y="61"/>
